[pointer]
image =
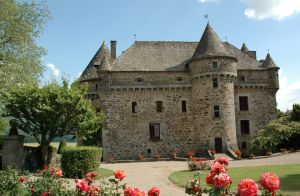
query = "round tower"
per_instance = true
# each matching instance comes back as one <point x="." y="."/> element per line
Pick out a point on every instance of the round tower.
<point x="213" y="73"/>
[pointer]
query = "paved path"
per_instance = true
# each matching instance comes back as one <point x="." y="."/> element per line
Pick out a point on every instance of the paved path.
<point x="147" y="174"/>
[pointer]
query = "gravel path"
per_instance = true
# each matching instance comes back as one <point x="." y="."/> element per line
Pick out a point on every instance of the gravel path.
<point x="147" y="174"/>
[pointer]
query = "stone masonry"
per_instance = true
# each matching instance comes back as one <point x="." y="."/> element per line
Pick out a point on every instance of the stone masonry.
<point x="158" y="97"/>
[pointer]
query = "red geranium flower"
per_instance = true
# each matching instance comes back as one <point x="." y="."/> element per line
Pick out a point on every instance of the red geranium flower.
<point x="222" y="160"/>
<point x="45" y="167"/>
<point x="52" y="170"/>
<point x="218" y="168"/>
<point x="21" y="179"/>
<point x="247" y="187"/>
<point x="44" y="194"/>
<point x="119" y="174"/>
<point x="210" y="178"/>
<point x="82" y="185"/>
<point x="222" y="180"/>
<point x="89" y="176"/>
<point x="270" y="181"/>
<point x="58" y="173"/>
<point x="133" y="192"/>
<point x="154" y="191"/>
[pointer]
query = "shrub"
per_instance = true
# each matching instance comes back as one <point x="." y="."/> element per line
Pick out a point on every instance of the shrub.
<point x="9" y="182"/>
<point x="77" y="161"/>
<point x="61" y="146"/>
<point x="197" y="164"/>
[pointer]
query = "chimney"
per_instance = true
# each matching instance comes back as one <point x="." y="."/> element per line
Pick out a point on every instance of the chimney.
<point x="113" y="48"/>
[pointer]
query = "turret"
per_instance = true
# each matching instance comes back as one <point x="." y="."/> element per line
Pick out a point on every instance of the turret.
<point x="272" y="68"/>
<point x="213" y="72"/>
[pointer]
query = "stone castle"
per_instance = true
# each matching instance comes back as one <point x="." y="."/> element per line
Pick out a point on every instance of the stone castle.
<point x="160" y="96"/>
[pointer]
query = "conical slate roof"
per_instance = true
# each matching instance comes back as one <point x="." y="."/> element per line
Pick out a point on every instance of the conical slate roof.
<point x="102" y="58"/>
<point x="244" y="48"/>
<point x="210" y="45"/>
<point x="100" y="61"/>
<point x="269" y="62"/>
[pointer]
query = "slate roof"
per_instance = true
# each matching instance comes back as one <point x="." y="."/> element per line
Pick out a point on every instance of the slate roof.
<point x="244" y="48"/>
<point x="101" y="60"/>
<point x="171" y="56"/>
<point x="269" y="62"/>
<point x="210" y="45"/>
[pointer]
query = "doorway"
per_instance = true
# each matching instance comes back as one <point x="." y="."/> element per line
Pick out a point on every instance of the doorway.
<point x="218" y="145"/>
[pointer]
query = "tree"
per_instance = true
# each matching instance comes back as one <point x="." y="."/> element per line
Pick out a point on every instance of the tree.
<point x="52" y="111"/>
<point x="21" y="22"/>
<point x="281" y="132"/>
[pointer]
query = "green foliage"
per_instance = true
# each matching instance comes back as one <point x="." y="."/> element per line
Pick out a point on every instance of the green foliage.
<point x="295" y="115"/>
<point x="3" y="125"/>
<point x="281" y="130"/>
<point x="93" y="139"/>
<point x="47" y="182"/>
<point x="77" y="161"/>
<point x="9" y="182"/>
<point x="62" y="145"/>
<point x="51" y="111"/>
<point x="20" y="58"/>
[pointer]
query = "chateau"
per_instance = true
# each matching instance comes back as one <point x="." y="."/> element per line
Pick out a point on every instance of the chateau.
<point x="160" y="96"/>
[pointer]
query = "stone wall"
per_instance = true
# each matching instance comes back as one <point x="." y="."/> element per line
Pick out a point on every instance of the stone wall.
<point x="127" y="134"/>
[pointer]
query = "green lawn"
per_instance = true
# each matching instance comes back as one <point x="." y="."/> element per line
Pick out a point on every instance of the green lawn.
<point x="54" y="144"/>
<point x="103" y="173"/>
<point x="288" y="174"/>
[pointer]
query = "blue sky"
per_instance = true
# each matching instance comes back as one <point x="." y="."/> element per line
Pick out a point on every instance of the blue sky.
<point x="77" y="29"/>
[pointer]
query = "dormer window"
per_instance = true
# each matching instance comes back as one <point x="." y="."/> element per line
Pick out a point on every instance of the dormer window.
<point x="215" y="65"/>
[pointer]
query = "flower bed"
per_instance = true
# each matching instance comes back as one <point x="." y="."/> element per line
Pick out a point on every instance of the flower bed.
<point x="220" y="183"/>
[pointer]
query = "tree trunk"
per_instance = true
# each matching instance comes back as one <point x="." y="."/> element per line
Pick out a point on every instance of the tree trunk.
<point x="44" y="151"/>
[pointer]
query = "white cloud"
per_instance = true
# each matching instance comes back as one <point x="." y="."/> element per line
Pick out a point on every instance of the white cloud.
<point x="55" y="71"/>
<point x="288" y="94"/>
<point x="207" y="1"/>
<point x="277" y="9"/>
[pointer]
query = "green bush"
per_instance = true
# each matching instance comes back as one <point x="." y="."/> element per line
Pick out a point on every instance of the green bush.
<point x="9" y="182"/>
<point x="77" y="161"/>
<point x="62" y="145"/>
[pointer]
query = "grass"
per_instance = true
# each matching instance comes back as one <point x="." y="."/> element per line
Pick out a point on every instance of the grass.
<point x="288" y="174"/>
<point x="54" y="144"/>
<point x="104" y="173"/>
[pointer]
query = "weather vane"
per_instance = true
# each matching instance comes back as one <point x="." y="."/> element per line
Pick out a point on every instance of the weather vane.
<point x="134" y="37"/>
<point x="206" y="16"/>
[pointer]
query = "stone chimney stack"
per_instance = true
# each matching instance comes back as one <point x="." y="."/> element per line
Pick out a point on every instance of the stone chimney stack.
<point x="113" y="49"/>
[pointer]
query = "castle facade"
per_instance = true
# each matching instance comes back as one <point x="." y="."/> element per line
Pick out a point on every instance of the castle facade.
<point x="161" y="96"/>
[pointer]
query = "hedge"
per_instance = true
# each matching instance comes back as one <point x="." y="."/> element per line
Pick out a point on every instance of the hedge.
<point x="62" y="145"/>
<point x="77" y="161"/>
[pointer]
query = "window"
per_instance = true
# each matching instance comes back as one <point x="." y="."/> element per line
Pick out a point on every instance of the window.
<point x="215" y="82"/>
<point x="96" y="87"/>
<point x="243" y="103"/>
<point x="98" y="110"/>
<point x="179" y="79"/>
<point x="159" y="106"/>
<point x="245" y="128"/>
<point x="215" y="65"/>
<point x="134" y="107"/>
<point x="244" y="145"/>
<point x="243" y="78"/>
<point x="183" y="106"/>
<point x="139" y="79"/>
<point x="217" y="111"/>
<point x="154" y="129"/>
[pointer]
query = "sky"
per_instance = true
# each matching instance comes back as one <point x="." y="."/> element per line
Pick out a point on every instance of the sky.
<point x="77" y="28"/>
